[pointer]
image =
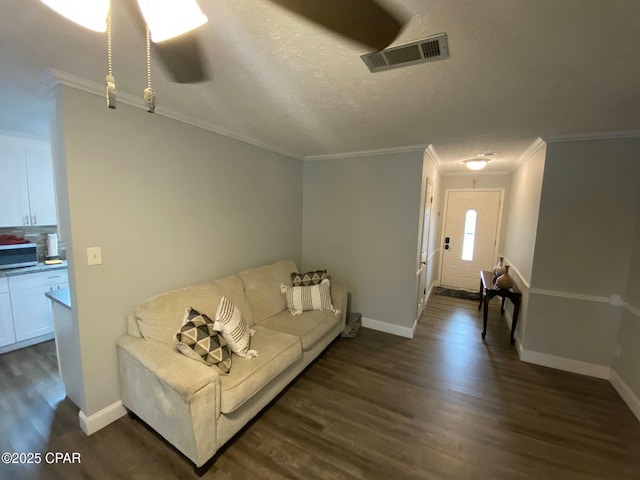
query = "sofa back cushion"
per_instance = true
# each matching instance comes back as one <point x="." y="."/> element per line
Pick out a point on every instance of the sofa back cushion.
<point x="160" y="317"/>
<point x="262" y="288"/>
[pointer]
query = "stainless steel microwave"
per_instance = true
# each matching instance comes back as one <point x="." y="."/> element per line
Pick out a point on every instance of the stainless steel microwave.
<point x="20" y="255"/>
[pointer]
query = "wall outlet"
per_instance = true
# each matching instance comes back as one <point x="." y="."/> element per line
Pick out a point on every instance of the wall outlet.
<point x="616" y="300"/>
<point x="618" y="351"/>
<point x="94" y="256"/>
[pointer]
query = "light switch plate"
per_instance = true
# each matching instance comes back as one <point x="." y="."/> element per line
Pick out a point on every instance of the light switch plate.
<point x="94" y="256"/>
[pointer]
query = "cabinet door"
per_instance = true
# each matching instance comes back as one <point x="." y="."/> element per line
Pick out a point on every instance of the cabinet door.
<point x="31" y="309"/>
<point x="13" y="186"/>
<point x="7" y="334"/>
<point x="42" y="199"/>
<point x="31" y="313"/>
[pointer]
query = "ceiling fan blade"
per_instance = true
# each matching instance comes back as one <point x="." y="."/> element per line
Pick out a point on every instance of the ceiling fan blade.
<point x="182" y="57"/>
<point x="364" y="21"/>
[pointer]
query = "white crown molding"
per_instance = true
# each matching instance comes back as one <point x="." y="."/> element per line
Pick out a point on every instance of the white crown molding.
<point x="367" y="153"/>
<point x="592" y="136"/>
<point x="531" y="150"/>
<point x="433" y="156"/>
<point x="50" y="78"/>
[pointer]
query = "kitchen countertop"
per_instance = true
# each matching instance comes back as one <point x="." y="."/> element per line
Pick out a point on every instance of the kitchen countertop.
<point x="41" y="267"/>
<point x="63" y="297"/>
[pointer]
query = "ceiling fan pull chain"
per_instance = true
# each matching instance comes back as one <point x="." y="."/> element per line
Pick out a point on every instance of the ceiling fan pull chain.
<point x="110" y="81"/>
<point x="149" y="94"/>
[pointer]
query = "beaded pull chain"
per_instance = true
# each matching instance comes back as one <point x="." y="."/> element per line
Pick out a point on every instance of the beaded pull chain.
<point x="110" y="80"/>
<point x="149" y="93"/>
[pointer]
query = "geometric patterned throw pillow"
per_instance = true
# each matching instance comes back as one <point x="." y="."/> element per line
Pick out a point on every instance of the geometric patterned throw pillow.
<point x="309" y="278"/>
<point x="313" y="297"/>
<point x="197" y="339"/>
<point x="234" y="328"/>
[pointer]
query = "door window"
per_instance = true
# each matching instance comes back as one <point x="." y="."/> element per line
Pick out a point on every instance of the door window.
<point x="469" y="237"/>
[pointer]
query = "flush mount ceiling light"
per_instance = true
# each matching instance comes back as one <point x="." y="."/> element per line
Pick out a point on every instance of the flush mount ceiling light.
<point x="476" y="163"/>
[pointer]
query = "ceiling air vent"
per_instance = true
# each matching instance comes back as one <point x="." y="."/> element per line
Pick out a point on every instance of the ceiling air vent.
<point x="428" y="49"/>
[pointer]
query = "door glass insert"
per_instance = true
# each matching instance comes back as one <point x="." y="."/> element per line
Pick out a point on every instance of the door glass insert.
<point x="469" y="237"/>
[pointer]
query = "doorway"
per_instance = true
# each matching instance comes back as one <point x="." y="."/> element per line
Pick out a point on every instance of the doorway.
<point x="470" y="236"/>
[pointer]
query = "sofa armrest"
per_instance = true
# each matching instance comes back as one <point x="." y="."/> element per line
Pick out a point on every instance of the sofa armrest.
<point x="168" y="365"/>
<point x="339" y="299"/>
<point x="176" y="396"/>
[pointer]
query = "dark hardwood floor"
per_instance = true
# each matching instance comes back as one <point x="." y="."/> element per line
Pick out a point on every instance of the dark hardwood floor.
<point x="445" y="405"/>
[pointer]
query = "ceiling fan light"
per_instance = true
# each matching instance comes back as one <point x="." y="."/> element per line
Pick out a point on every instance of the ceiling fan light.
<point x="171" y="18"/>
<point x="91" y="14"/>
<point x="476" y="164"/>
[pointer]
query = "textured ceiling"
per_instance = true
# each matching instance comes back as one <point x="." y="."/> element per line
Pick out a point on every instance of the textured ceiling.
<point x="519" y="69"/>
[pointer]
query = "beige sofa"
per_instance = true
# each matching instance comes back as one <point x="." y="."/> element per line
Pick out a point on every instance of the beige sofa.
<point x="189" y="403"/>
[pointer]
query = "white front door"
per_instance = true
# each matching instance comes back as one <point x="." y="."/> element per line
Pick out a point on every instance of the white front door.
<point x="470" y="236"/>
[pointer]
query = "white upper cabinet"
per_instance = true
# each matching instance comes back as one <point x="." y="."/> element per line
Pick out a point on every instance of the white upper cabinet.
<point x="26" y="182"/>
<point x="42" y="198"/>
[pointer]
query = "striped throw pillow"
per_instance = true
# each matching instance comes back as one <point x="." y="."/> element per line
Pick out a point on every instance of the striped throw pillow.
<point x="313" y="297"/>
<point x="234" y="329"/>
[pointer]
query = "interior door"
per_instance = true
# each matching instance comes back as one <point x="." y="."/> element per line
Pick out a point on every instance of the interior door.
<point x="424" y="248"/>
<point x="470" y="237"/>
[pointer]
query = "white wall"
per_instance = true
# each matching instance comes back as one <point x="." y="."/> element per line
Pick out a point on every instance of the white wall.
<point x="520" y="225"/>
<point x="361" y="222"/>
<point x="584" y="240"/>
<point x="170" y="205"/>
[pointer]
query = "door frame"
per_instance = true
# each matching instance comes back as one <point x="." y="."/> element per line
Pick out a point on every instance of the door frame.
<point x="497" y="246"/>
<point x="423" y="265"/>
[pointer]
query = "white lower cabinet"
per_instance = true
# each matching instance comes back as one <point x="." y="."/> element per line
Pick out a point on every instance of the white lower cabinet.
<point x="7" y="333"/>
<point x="30" y="309"/>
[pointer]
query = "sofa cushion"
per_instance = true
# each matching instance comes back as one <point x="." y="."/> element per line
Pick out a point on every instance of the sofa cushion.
<point x="160" y="317"/>
<point x="277" y="351"/>
<point x="197" y="339"/>
<point x="262" y="288"/>
<point x="236" y="332"/>
<point x="233" y="288"/>
<point x="310" y="327"/>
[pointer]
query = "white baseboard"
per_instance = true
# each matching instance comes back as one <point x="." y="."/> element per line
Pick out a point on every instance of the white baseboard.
<point x="625" y="392"/>
<point x="566" y="364"/>
<point x="406" y="332"/>
<point x="104" y="417"/>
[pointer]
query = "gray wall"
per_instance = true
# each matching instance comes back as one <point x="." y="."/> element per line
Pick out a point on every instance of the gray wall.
<point x="627" y="365"/>
<point x="170" y="205"/>
<point x="361" y="222"/>
<point x="584" y="240"/>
